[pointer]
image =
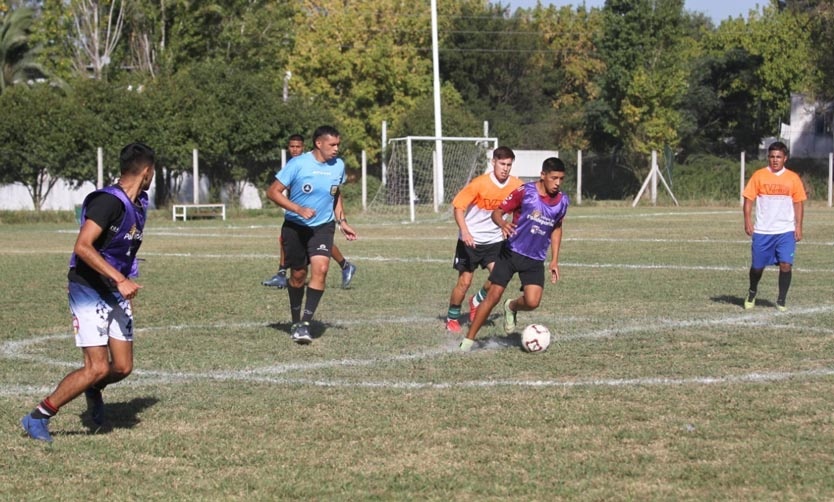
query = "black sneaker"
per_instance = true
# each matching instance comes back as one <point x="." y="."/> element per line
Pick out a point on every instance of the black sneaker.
<point x="301" y="333"/>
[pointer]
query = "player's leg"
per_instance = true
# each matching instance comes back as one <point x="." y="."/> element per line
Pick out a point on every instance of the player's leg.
<point x="785" y="250"/>
<point x="763" y="253"/>
<point x="348" y="268"/>
<point x="279" y="280"/>
<point x="456" y="300"/>
<point x="500" y="276"/>
<point x="464" y="264"/>
<point x="294" y="238"/>
<point x="486" y="256"/>
<point x="531" y="274"/>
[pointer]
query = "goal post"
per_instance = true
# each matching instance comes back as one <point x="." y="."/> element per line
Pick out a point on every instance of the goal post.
<point x="418" y="181"/>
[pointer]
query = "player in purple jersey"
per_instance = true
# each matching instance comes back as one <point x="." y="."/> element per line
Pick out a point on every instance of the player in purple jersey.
<point x="101" y="287"/>
<point x="538" y="209"/>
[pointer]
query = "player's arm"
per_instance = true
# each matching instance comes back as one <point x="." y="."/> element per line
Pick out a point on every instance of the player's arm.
<point x="555" y="245"/>
<point x="799" y="213"/>
<point x="748" y="216"/>
<point x="275" y="193"/>
<point x="460" y="219"/>
<point x="341" y="219"/>
<point x="85" y="251"/>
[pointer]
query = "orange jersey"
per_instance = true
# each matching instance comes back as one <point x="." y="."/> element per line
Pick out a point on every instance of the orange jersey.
<point x="479" y="199"/>
<point x="775" y="195"/>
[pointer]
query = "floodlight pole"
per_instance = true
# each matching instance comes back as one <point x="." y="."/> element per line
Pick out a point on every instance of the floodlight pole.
<point x="741" y="180"/>
<point x="830" y="177"/>
<point x="578" y="177"/>
<point x="196" y="175"/>
<point x="438" y="126"/>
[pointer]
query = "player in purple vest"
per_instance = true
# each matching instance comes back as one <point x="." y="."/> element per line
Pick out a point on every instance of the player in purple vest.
<point x="101" y="285"/>
<point x="538" y="209"/>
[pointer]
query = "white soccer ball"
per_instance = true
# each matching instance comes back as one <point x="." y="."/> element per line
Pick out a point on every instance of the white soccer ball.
<point x="535" y="338"/>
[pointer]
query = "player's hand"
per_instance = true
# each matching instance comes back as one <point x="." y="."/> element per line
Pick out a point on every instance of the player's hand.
<point x="748" y="228"/>
<point x="306" y="212"/>
<point x="508" y="229"/>
<point x="348" y="231"/>
<point x="128" y="288"/>
<point x="467" y="239"/>
<point x="554" y="273"/>
<point x="798" y="234"/>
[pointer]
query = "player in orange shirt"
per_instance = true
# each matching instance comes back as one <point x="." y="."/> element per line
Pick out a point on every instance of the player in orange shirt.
<point x="479" y="239"/>
<point x="779" y="197"/>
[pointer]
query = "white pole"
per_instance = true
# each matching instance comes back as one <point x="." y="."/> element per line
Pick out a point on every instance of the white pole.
<point x="579" y="177"/>
<point x="436" y="197"/>
<point x="384" y="149"/>
<point x="283" y="158"/>
<point x="196" y="176"/>
<point x="364" y="181"/>
<point x="438" y="127"/>
<point x="411" y="194"/>
<point x="830" y="176"/>
<point x="486" y="128"/>
<point x="653" y="176"/>
<point x="99" y="167"/>
<point x="741" y="181"/>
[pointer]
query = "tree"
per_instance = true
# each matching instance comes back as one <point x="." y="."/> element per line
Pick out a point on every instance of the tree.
<point x="43" y="137"/>
<point x="97" y="29"/>
<point x="17" y="56"/>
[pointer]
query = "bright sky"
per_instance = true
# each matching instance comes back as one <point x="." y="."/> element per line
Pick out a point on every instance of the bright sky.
<point x="718" y="10"/>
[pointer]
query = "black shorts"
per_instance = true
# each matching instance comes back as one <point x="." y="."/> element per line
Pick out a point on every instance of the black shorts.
<point x="530" y="271"/>
<point x="467" y="259"/>
<point x="300" y="242"/>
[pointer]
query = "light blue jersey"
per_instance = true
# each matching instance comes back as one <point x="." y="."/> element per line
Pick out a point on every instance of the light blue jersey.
<point x="312" y="184"/>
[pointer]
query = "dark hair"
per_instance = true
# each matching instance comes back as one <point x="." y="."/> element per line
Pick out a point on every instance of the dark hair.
<point x="296" y="137"/>
<point x="325" y="131"/>
<point x="503" y="152"/>
<point x="778" y="145"/>
<point x="135" y="157"/>
<point x="553" y="164"/>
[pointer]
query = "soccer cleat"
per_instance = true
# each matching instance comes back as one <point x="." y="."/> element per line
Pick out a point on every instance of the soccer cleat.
<point x="780" y="306"/>
<point x="750" y="301"/>
<point x="509" y="317"/>
<point x="36" y="428"/>
<point x="466" y="345"/>
<point x="95" y="405"/>
<point x="301" y="333"/>
<point x="473" y="309"/>
<point x="278" y="280"/>
<point x="452" y="326"/>
<point x="347" y="274"/>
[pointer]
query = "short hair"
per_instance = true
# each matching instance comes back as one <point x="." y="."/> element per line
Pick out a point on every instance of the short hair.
<point x="296" y="137"/>
<point x="778" y="145"/>
<point x="325" y="130"/>
<point x="551" y="164"/>
<point x="135" y="156"/>
<point x="503" y="152"/>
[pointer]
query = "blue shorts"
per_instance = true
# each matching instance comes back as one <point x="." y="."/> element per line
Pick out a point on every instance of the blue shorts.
<point x="773" y="249"/>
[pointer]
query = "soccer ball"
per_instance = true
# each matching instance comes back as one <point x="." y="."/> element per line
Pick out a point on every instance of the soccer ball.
<point x="535" y="338"/>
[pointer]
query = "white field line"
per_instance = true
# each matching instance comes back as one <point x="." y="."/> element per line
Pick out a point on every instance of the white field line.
<point x="17" y="350"/>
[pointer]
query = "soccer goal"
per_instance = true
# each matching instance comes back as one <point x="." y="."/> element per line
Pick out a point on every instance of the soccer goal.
<point x="422" y="174"/>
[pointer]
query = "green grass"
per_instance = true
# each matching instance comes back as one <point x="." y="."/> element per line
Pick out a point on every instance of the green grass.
<point x="658" y="385"/>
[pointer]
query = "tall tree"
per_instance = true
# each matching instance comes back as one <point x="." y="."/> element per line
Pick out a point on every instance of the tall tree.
<point x="17" y="56"/>
<point x="97" y="28"/>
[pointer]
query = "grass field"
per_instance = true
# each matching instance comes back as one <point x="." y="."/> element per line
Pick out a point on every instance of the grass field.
<point x="658" y="385"/>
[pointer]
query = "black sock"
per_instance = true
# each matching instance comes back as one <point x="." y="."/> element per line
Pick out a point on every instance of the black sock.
<point x="755" y="277"/>
<point x="313" y="298"/>
<point x="784" y="284"/>
<point x="296" y="297"/>
<point x="342" y="263"/>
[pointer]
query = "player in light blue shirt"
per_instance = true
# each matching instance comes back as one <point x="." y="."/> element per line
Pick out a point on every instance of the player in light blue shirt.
<point x="314" y="208"/>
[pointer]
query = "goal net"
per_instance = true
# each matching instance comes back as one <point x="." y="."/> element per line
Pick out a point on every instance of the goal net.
<point x="421" y="175"/>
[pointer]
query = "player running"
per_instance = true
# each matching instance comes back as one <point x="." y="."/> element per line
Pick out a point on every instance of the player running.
<point x="538" y="210"/>
<point x="479" y="238"/>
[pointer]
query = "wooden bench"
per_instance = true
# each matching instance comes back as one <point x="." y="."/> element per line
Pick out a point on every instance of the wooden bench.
<point x="199" y="210"/>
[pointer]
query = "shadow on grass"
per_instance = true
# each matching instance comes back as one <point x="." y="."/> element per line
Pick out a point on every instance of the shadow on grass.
<point x="739" y="301"/>
<point x="119" y="415"/>
<point x="317" y="328"/>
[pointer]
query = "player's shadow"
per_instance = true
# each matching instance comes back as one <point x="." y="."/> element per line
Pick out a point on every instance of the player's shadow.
<point x="317" y="328"/>
<point x="119" y="415"/>
<point x="739" y="301"/>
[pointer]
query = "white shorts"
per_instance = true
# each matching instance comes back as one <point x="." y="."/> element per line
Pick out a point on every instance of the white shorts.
<point x="96" y="318"/>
